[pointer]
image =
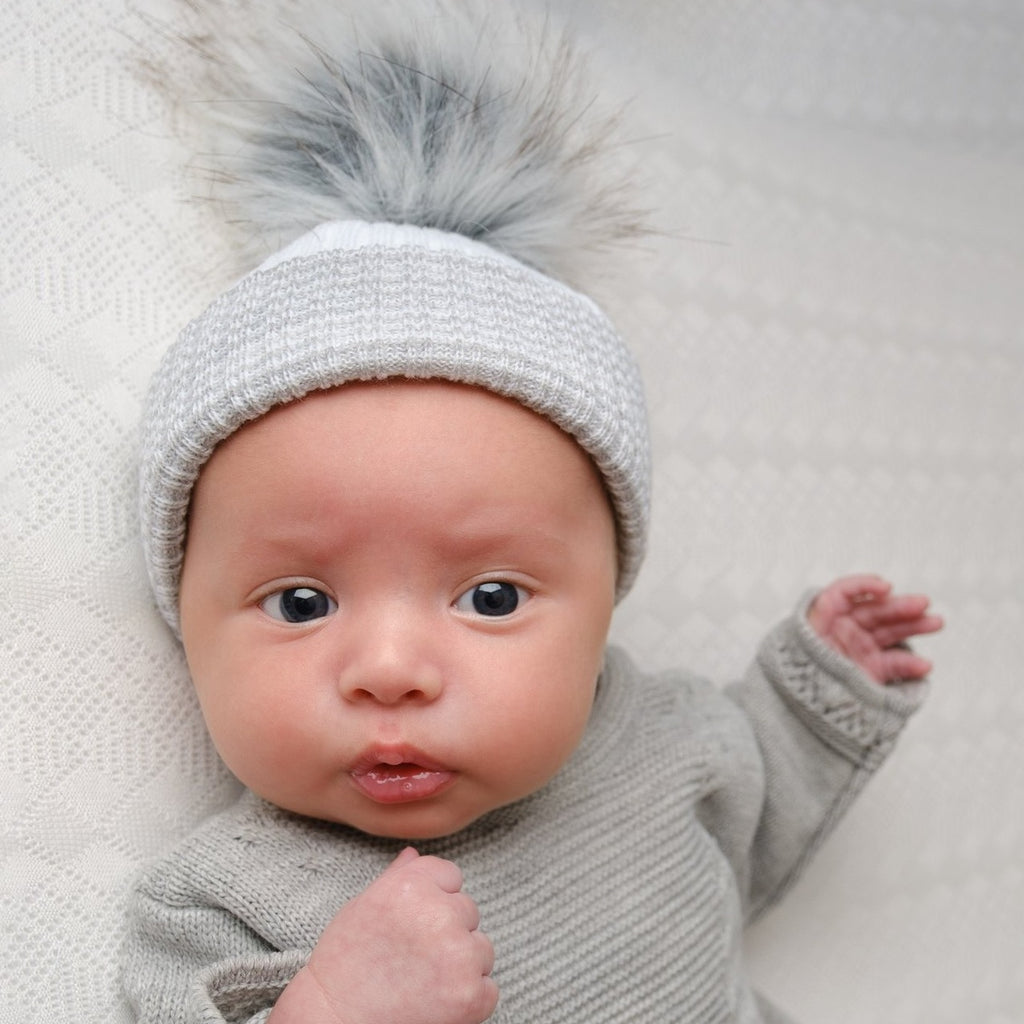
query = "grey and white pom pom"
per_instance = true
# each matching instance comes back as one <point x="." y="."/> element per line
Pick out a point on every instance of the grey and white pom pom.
<point x="448" y="114"/>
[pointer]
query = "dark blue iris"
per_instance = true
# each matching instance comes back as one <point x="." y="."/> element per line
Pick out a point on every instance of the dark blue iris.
<point x="495" y="598"/>
<point x="303" y="604"/>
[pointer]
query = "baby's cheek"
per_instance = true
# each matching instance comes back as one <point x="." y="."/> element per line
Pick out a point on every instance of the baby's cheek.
<point x="554" y="734"/>
<point x="244" y="721"/>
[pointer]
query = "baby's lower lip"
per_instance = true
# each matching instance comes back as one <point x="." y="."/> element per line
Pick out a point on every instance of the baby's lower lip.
<point x="401" y="783"/>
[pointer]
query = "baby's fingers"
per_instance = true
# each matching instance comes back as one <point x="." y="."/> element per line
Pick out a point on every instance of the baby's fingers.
<point x="889" y="634"/>
<point x="443" y="873"/>
<point x="860" y="587"/>
<point x="898" y="665"/>
<point x="844" y="596"/>
<point x="485" y="951"/>
<point x="891" y="609"/>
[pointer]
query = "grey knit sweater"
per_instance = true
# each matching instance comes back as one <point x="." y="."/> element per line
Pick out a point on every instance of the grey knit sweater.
<point x="617" y="893"/>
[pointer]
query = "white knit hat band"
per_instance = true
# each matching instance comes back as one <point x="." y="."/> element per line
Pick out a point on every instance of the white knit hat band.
<point x="358" y="234"/>
<point x="383" y="311"/>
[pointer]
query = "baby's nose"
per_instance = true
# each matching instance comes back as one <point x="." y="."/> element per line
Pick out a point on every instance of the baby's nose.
<point x="391" y="663"/>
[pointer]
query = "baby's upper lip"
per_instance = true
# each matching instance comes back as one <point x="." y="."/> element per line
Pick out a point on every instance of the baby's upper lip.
<point x="393" y="755"/>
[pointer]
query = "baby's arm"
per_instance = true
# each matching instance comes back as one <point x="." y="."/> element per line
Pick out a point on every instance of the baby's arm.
<point x="820" y="725"/>
<point x="407" y="950"/>
<point x="862" y="619"/>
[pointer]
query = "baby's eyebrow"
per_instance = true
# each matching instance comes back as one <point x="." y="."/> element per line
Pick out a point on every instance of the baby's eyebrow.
<point x="496" y="535"/>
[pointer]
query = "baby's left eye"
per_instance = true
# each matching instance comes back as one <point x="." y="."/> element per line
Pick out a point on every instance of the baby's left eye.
<point x="298" y="605"/>
<point x="493" y="599"/>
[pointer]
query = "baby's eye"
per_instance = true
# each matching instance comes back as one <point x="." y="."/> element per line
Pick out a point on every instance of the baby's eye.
<point x="298" y="605"/>
<point x="493" y="599"/>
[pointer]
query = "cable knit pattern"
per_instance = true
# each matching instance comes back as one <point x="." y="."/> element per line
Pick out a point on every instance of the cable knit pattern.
<point x="616" y="894"/>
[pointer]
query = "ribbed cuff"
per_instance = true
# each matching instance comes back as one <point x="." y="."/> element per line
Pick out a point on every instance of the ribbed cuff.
<point x="856" y="716"/>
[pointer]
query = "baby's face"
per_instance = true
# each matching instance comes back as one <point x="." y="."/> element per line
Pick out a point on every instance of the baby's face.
<point x="395" y="602"/>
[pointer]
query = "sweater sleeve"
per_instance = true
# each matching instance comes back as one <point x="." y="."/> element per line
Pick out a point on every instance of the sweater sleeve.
<point x="193" y="963"/>
<point x="820" y="729"/>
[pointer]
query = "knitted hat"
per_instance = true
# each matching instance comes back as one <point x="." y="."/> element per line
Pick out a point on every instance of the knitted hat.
<point x="392" y="290"/>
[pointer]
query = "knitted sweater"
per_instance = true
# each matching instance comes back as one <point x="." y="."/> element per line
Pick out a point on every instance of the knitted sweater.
<point x="617" y="893"/>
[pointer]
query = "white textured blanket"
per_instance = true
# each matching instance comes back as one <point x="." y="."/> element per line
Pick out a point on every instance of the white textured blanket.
<point x="832" y="331"/>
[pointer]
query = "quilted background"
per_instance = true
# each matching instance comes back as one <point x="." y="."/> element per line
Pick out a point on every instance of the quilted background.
<point x="831" y="331"/>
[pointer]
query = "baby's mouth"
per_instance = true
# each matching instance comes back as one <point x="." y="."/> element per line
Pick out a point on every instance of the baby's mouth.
<point x="393" y="778"/>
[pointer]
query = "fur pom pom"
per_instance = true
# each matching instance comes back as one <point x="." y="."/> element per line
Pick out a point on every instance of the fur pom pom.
<point x="451" y="114"/>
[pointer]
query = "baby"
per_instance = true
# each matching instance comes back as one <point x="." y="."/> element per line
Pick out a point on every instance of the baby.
<point x="394" y="483"/>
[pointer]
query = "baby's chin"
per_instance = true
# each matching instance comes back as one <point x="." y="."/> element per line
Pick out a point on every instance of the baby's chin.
<point x="445" y="814"/>
<point x="420" y="827"/>
<point x="415" y="824"/>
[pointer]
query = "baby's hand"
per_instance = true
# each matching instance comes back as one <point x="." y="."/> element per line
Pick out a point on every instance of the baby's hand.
<point x="407" y="950"/>
<point x="861" y="618"/>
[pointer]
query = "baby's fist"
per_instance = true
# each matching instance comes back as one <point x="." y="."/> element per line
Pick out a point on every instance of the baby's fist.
<point x="861" y="618"/>
<point x="407" y="950"/>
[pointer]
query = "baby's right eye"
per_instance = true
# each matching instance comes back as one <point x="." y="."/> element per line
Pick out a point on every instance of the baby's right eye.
<point x="298" y="605"/>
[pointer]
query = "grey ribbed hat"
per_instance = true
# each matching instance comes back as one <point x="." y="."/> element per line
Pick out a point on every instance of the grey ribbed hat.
<point x="356" y="302"/>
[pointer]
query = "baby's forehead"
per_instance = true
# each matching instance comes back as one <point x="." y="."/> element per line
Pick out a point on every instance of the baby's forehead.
<point x="424" y="427"/>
